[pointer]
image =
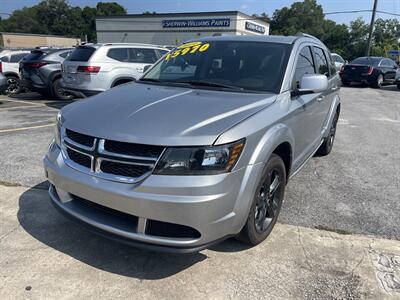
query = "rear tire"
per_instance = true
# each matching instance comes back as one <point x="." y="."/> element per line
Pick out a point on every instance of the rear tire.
<point x="58" y="93"/>
<point x="327" y="145"/>
<point x="267" y="202"/>
<point x="379" y="81"/>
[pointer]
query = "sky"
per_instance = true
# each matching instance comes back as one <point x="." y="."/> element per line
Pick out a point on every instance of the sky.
<point x="246" y="6"/>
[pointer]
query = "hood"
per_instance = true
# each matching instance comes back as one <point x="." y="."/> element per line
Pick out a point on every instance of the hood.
<point x="162" y="115"/>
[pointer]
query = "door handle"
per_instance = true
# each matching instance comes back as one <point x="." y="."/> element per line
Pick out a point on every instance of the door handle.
<point x="335" y="88"/>
<point x="320" y="98"/>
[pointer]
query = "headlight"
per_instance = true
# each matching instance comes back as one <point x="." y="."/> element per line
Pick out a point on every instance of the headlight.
<point x="199" y="160"/>
<point x="57" y="133"/>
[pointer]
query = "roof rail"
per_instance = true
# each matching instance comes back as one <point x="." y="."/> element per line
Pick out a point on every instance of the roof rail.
<point x="302" y="34"/>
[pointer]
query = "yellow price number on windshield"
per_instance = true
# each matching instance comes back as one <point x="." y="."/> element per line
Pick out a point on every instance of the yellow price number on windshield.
<point x="187" y="48"/>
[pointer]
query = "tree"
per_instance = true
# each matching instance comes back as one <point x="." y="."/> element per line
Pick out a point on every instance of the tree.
<point x="59" y="18"/>
<point x="110" y="8"/>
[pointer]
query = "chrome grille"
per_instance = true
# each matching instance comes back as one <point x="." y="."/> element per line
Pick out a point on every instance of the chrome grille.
<point x="108" y="159"/>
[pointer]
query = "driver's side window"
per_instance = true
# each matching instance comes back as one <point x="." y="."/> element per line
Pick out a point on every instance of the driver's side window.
<point x="305" y="65"/>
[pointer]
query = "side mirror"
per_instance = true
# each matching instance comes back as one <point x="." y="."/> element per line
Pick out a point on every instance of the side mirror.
<point x="145" y="68"/>
<point x="311" y="83"/>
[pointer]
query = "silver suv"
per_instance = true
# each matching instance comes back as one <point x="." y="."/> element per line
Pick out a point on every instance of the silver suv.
<point x="94" y="68"/>
<point x="201" y="147"/>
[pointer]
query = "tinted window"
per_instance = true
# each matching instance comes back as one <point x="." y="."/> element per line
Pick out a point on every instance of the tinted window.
<point x="247" y="65"/>
<point x="337" y="58"/>
<point x="35" y="55"/>
<point x="387" y="63"/>
<point x="4" y="59"/>
<point x="332" y="67"/>
<point x="369" y="61"/>
<point x="81" y="54"/>
<point x="305" y="65"/>
<point x="144" y="56"/>
<point x="120" y="54"/>
<point x="17" y="57"/>
<point x="64" y="54"/>
<point x="321" y="63"/>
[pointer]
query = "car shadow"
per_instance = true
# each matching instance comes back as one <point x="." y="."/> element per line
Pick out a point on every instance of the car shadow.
<point x="37" y="217"/>
<point x="33" y="97"/>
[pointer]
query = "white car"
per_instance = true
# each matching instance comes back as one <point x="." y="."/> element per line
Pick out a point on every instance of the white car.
<point x="338" y="60"/>
<point x="94" y="68"/>
<point x="9" y="67"/>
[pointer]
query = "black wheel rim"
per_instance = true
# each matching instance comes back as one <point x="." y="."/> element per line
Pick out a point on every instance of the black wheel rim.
<point x="268" y="201"/>
<point x="13" y="86"/>
<point x="332" y="132"/>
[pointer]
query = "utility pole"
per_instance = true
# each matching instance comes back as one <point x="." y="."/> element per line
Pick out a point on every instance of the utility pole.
<point x="371" y="27"/>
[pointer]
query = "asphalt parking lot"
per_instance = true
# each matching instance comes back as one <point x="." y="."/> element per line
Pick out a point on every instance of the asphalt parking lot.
<point x="339" y="221"/>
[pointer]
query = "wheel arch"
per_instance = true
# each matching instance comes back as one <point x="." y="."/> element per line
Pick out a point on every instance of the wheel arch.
<point x="124" y="79"/>
<point x="11" y="74"/>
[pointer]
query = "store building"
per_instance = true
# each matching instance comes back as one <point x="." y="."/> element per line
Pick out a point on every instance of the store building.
<point x="175" y="28"/>
<point x="27" y="40"/>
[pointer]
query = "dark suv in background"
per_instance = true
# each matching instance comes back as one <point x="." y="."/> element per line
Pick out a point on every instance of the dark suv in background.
<point x="41" y="72"/>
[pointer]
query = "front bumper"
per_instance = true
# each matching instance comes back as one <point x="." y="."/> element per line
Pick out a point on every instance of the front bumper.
<point x="215" y="206"/>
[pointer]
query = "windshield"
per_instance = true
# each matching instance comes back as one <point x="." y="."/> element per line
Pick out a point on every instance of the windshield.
<point x="232" y="65"/>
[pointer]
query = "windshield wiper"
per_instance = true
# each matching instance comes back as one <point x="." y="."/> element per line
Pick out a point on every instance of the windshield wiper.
<point x="150" y="79"/>
<point x="210" y="84"/>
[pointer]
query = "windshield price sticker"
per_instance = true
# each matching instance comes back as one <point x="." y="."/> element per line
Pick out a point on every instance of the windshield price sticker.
<point x="187" y="48"/>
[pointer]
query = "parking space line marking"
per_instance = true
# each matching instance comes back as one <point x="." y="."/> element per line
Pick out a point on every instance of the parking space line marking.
<point x="26" y="128"/>
<point x="22" y="106"/>
<point x="21" y="101"/>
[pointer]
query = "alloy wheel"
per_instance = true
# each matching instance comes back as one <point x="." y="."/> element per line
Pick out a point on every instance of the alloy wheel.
<point x="267" y="206"/>
<point x="13" y="86"/>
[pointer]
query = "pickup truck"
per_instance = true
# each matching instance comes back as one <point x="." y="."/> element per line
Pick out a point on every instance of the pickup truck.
<point x="201" y="147"/>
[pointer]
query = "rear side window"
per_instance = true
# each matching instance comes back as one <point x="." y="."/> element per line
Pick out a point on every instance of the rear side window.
<point x="305" y="65"/>
<point x="4" y="59"/>
<point x="35" y="55"/>
<point x="64" y="54"/>
<point x="143" y="56"/>
<point x="321" y="63"/>
<point x="332" y="67"/>
<point x="17" y="57"/>
<point x="337" y="58"/>
<point x="81" y="54"/>
<point x="120" y="54"/>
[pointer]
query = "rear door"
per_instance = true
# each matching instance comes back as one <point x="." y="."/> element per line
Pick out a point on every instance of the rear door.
<point x="14" y="61"/>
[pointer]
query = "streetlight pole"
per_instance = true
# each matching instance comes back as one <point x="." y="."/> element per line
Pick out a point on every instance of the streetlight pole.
<point x="371" y="27"/>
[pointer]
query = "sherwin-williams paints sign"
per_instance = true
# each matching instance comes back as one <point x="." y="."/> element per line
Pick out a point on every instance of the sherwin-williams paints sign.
<point x="254" y="27"/>
<point x="225" y="22"/>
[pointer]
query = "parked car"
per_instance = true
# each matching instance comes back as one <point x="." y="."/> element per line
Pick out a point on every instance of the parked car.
<point x="180" y="160"/>
<point x="338" y="60"/>
<point x="3" y="83"/>
<point x="398" y="78"/>
<point x="371" y="70"/>
<point x="95" y="68"/>
<point x="41" y="72"/>
<point x="9" y="64"/>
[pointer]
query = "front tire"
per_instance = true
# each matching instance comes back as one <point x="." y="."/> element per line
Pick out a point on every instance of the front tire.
<point x="58" y="93"/>
<point x="267" y="202"/>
